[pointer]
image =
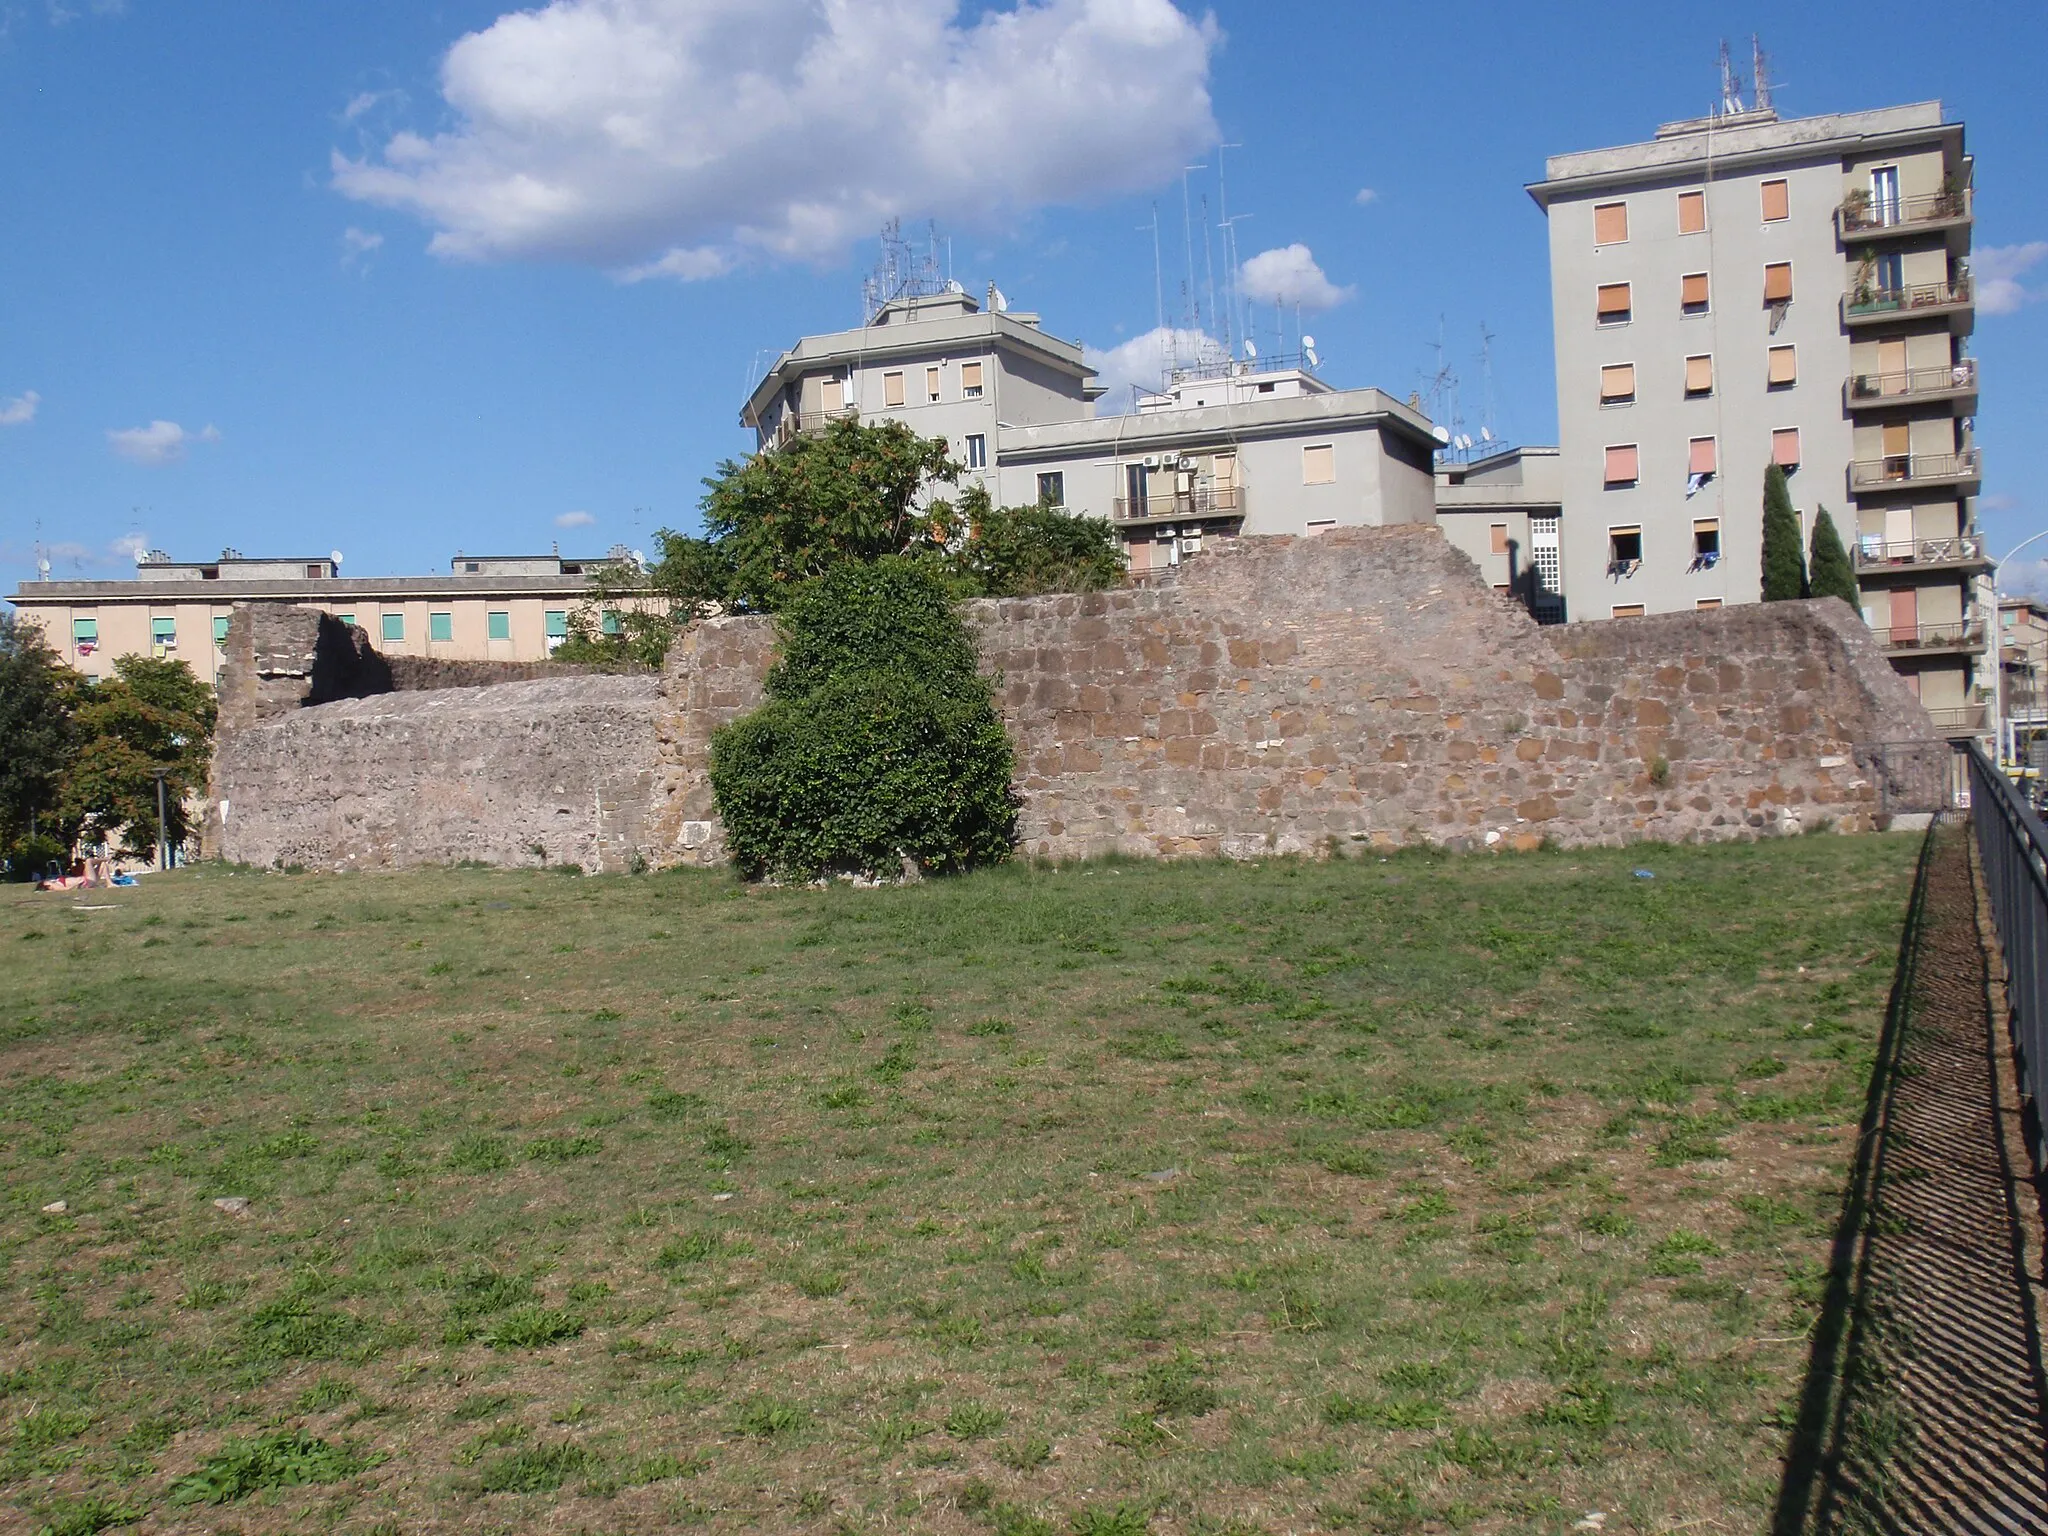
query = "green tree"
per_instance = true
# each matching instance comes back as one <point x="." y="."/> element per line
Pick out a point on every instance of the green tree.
<point x="150" y="714"/>
<point x="1829" y="572"/>
<point x="1784" y="563"/>
<point x="879" y="744"/>
<point x="1019" y="551"/>
<point x="36" y="693"/>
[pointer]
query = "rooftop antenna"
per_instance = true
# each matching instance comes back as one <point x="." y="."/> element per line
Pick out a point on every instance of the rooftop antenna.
<point x="1731" y="84"/>
<point x="1487" y="426"/>
<point x="1229" y="252"/>
<point x="1759" y="73"/>
<point x="1191" y="309"/>
<point x="1209" y="256"/>
<point x="1158" y="280"/>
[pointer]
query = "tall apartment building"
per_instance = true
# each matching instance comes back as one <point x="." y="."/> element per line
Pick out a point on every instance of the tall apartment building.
<point x="1223" y="448"/>
<point x="1741" y="291"/>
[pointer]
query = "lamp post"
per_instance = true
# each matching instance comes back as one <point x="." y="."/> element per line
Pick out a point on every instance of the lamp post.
<point x="163" y="846"/>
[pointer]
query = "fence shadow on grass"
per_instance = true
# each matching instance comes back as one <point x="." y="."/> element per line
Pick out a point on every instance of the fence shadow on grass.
<point x="1923" y="1404"/>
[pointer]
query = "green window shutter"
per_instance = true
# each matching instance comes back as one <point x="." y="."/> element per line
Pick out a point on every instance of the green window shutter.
<point x="440" y="626"/>
<point x="346" y="618"/>
<point x="501" y="626"/>
<point x="611" y="622"/>
<point x="558" y="623"/>
<point x="163" y="631"/>
<point x="220" y="629"/>
<point x="85" y="629"/>
<point x="394" y="626"/>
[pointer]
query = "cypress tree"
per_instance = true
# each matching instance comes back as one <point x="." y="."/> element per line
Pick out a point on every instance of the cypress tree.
<point x="1784" y="561"/>
<point x="1829" y="571"/>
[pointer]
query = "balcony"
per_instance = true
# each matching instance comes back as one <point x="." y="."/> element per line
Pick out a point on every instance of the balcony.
<point x="1915" y="472"/>
<point x="1880" y="306"/>
<point x="1958" y="720"/>
<point x="1181" y="506"/>
<point x="1931" y="639"/>
<point x="1915" y="386"/>
<point x="810" y="423"/>
<point x="1874" y="553"/>
<point x="1862" y="218"/>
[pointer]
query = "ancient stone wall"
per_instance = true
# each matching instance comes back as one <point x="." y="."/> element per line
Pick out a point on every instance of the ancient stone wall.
<point x="1361" y="689"/>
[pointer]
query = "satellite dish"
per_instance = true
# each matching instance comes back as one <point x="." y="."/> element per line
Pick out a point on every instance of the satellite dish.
<point x="1443" y="435"/>
<point x="1313" y="360"/>
<point x="1486" y="434"/>
<point x="42" y="570"/>
<point x="334" y="555"/>
<point x="1308" y="343"/>
<point x="1251" y="348"/>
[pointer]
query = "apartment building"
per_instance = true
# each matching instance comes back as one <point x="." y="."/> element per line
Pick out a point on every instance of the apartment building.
<point x="496" y="608"/>
<point x="1223" y="448"/>
<point x="1506" y="511"/>
<point x="1743" y="290"/>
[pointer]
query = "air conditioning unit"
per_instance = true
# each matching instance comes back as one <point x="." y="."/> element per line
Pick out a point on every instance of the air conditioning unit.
<point x="1151" y="461"/>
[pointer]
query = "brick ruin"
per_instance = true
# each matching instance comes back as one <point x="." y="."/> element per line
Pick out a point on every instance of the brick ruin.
<point x="1362" y="689"/>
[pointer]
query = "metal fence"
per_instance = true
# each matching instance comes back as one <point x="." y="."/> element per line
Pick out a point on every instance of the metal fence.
<point x="2012" y="846"/>
<point x="1915" y="778"/>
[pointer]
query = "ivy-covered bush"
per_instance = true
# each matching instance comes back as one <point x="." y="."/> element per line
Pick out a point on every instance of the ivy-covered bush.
<point x="879" y="742"/>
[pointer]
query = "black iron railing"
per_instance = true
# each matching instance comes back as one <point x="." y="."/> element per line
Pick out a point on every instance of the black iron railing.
<point x="2012" y="846"/>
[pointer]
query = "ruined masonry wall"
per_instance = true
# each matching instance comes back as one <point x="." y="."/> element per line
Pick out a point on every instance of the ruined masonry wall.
<point x="1361" y="689"/>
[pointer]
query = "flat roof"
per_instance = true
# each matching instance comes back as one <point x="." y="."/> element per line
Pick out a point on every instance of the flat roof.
<point x="326" y="591"/>
<point x="1737" y="142"/>
<point x="1284" y="417"/>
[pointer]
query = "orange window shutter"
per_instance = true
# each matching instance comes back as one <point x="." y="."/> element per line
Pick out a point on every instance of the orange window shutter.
<point x="1784" y="365"/>
<point x="1777" y="282"/>
<point x="1785" y="447"/>
<point x="1610" y="223"/>
<point x="1614" y="299"/>
<point x="1692" y="289"/>
<point x="1621" y="464"/>
<point x="1617" y="381"/>
<point x="1703" y="459"/>
<point x="1500" y="538"/>
<point x="892" y="389"/>
<point x="1699" y="375"/>
<point x="1777" y="201"/>
<point x="1692" y="212"/>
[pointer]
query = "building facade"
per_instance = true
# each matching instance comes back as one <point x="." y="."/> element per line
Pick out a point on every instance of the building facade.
<point x="1506" y="511"/>
<point x="1224" y="448"/>
<point x="1742" y="291"/>
<point x="488" y="608"/>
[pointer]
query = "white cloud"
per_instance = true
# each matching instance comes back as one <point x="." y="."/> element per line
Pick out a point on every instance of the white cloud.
<point x="1999" y="268"/>
<point x="677" y="137"/>
<point x="63" y="12"/>
<point x="130" y="545"/>
<point x="574" y="520"/>
<point x="69" y="555"/>
<point x="1289" y="276"/>
<point x="356" y="246"/>
<point x="1142" y="361"/>
<point x="1366" y="196"/>
<point x="360" y="103"/>
<point x="21" y="410"/>
<point x="2024" y="578"/>
<point x="161" y="442"/>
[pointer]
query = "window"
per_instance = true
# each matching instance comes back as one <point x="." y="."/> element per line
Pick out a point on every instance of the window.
<point x="1618" y="384"/>
<point x="498" y="625"/>
<point x="164" y="632"/>
<point x="315" y="570"/>
<point x="440" y="626"/>
<point x="1052" y="489"/>
<point x="346" y="618"/>
<point x="1702" y="460"/>
<point x="931" y="385"/>
<point x="1692" y="212"/>
<point x="832" y="395"/>
<point x="1706" y="605"/>
<point x="1500" y="538"/>
<point x="1706" y="543"/>
<point x="977" y="451"/>
<point x="892" y="389"/>
<point x="1319" y="464"/>
<point x="1699" y="374"/>
<point x="1777" y="197"/>
<point x="1784" y="367"/>
<point x="1320" y="525"/>
<point x="970" y="381"/>
<point x="1621" y="465"/>
<point x="1615" y="304"/>
<point x="1785" y="447"/>
<point x="220" y="629"/>
<point x="1778" y="283"/>
<point x="392" y="626"/>
<point x="556" y="623"/>
<point x="1624" y="550"/>
<point x="1692" y="294"/>
<point x="609" y="623"/>
<point x="1610" y="223"/>
<point x="1628" y="611"/>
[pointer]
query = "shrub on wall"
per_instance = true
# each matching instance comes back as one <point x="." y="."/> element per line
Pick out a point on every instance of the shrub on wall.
<point x="1784" y="562"/>
<point x="879" y="742"/>
<point x="1829" y="573"/>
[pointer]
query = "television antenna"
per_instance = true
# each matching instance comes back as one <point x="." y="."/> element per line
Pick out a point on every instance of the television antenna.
<point x="1731" y="84"/>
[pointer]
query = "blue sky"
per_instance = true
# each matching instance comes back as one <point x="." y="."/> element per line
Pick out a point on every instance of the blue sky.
<point x="328" y="275"/>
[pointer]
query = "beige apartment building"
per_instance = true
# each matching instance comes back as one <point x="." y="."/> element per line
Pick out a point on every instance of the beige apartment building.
<point x="496" y="608"/>
<point x="1505" y="510"/>
<point x="1223" y="447"/>
<point x="1741" y="291"/>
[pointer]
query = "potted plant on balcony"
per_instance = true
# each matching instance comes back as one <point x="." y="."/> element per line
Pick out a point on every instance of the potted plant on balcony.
<point x="1948" y="202"/>
<point x="1864" y="293"/>
<point x="1856" y="208"/>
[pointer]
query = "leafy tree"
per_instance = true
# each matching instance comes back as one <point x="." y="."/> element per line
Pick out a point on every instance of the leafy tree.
<point x="879" y="742"/>
<point x="1018" y="551"/>
<point x="1830" y="573"/>
<point x="150" y="714"/>
<point x="36" y="691"/>
<point x="1784" y="564"/>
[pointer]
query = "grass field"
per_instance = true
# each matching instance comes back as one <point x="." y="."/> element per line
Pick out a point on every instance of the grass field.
<point x="1417" y="1194"/>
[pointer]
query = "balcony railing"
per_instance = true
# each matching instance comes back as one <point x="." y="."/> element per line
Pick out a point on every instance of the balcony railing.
<point x="1866" y="216"/>
<point x="811" y="423"/>
<point x="1959" y="378"/>
<point x="1905" y="469"/>
<point x="1958" y="719"/>
<point x="1917" y="298"/>
<point x="1955" y="635"/>
<point x="1876" y="552"/>
<point x="1180" y="506"/>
